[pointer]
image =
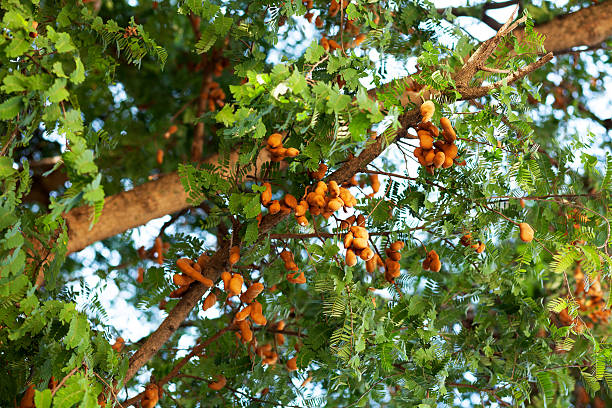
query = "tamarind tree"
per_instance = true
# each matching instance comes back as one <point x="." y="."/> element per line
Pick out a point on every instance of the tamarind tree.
<point x="367" y="203"/>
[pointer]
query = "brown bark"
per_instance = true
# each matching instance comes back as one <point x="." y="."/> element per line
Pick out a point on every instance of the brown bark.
<point x="132" y="208"/>
<point x="589" y="26"/>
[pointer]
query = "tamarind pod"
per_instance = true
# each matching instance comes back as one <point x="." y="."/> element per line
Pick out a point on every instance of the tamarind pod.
<point x="436" y="265"/>
<point x="290" y="201"/>
<point x="210" y="301"/>
<point x="279" y="338"/>
<point x="300" y="279"/>
<point x="256" y="314"/>
<point x="235" y="284"/>
<point x="426" y="141"/>
<point x="433" y="254"/>
<point x="292" y="364"/>
<point x="360" y="232"/>
<point x="359" y="39"/>
<point x="348" y="240"/>
<point x="481" y="248"/>
<point x="526" y="232"/>
<point x="306" y="381"/>
<point x="274" y="207"/>
<point x="397" y="246"/>
<point x="439" y="159"/>
<point x="371" y="265"/>
<point x="226" y="277"/>
<point x="302" y="221"/>
<point x="291" y="266"/>
<point x="429" y="157"/>
<point x="266" y="196"/>
<point x="350" y="258"/>
<point x="101" y="400"/>
<point x="286" y="256"/>
<point x="367" y="254"/>
<point x="374" y="182"/>
<point x="360" y="243"/>
<point x="275" y="140"/>
<point x="52" y="383"/>
<point x="333" y="45"/>
<point x="361" y="221"/>
<point x="421" y="160"/>
<point x="449" y="133"/>
<point x="292" y="152"/>
<point x="179" y="292"/>
<point x="465" y="240"/>
<point x="219" y="384"/>
<point x="245" y="331"/>
<point x="427" y="263"/>
<point x="335" y="204"/>
<point x="447" y="162"/>
<point x="318" y="22"/>
<point x="263" y="350"/>
<point x="394" y="255"/>
<point x="427" y="110"/>
<point x="346" y="196"/>
<point x="151" y="396"/>
<point x="234" y="255"/>
<point x="252" y="292"/>
<point x="271" y="360"/>
<point x="321" y="188"/>
<point x="392" y="266"/>
<point x="244" y="313"/>
<point x="430" y="127"/>
<point x="522" y="203"/>
<point x="418" y="152"/>
<point x="450" y="150"/>
<point x="182" y="280"/>
<point x="159" y="156"/>
<point x="140" y="277"/>
<point x="187" y="269"/>
<point x="333" y="188"/>
<point x="159" y="249"/>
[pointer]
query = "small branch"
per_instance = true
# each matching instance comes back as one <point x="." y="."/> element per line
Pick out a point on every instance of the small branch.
<point x="494" y="70"/>
<point x="74" y="370"/>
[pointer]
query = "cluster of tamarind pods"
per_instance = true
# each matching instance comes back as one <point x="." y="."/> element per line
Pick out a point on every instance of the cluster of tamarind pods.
<point x="274" y="145"/>
<point x="466" y="240"/>
<point x="432" y="153"/>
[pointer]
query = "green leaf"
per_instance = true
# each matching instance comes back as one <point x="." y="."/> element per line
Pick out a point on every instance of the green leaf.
<point x="62" y="40"/>
<point x="42" y="399"/>
<point x="58" y="91"/>
<point x="10" y="108"/>
<point x="78" y="75"/>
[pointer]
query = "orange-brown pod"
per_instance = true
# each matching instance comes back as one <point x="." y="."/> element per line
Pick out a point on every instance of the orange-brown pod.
<point x="306" y="381"/>
<point x="182" y="280"/>
<point x="292" y="364"/>
<point x="160" y="156"/>
<point x="257" y="315"/>
<point x="245" y="331"/>
<point x="159" y="250"/>
<point x="427" y="110"/>
<point x="318" y="22"/>
<point x="235" y="285"/>
<point x="119" y="343"/>
<point x="210" y="301"/>
<point x="350" y="258"/>
<point x="219" y="384"/>
<point x="140" y="277"/>
<point x="266" y="196"/>
<point x="275" y="140"/>
<point x="234" y="255"/>
<point x="27" y="401"/>
<point x="526" y="232"/>
<point x="522" y="203"/>
<point x="439" y="159"/>
<point x="303" y="221"/>
<point x="151" y="396"/>
<point x="274" y="207"/>
<point x="179" y="292"/>
<point x="425" y="139"/>
<point x="397" y="246"/>
<point x="367" y="254"/>
<point x="185" y="265"/>
<point x="226" y="277"/>
<point x="290" y="201"/>
<point x="244" y="313"/>
<point x="360" y="243"/>
<point x="292" y="152"/>
<point x="449" y="133"/>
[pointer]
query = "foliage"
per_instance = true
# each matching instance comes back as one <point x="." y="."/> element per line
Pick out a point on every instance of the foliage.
<point x="98" y="85"/>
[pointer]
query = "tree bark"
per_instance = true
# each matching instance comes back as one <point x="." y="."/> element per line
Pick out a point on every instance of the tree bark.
<point x="586" y="27"/>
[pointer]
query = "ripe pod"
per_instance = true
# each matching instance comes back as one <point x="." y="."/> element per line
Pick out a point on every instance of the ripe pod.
<point x="302" y="221"/>
<point x="427" y="110"/>
<point x="449" y="133"/>
<point x="360" y="232"/>
<point x="179" y="292"/>
<point x="257" y="315"/>
<point x="481" y="248"/>
<point x="394" y="255"/>
<point x="235" y="284"/>
<point x="526" y="232"/>
<point x="290" y="201"/>
<point x="151" y="396"/>
<point x="334" y="189"/>
<point x="185" y="265"/>
<point x="350" y="258"/>
<point x="292" y="152"/>
<point x="182" y="280"/>
<point x="160" y="156"/>
<point x="226" y="277"/>
<point x="522" y="203"/>
<point x="274" y="207"/>
<point x="292" y="364"/>
<point x="397" y="246"/>
<point x="439" y="159"/>
<point x="252" y="292"/>
<point x="243" y="314"/>
<point x="301" y="208"/>
<point x="219" y="384"/>
<point x="335" y="204"/>
<point x="275" y="140"/>
<point x="367" y="254"/>
<point x="425" y="140"/>
<point x="348" y="240"/>
<point x="360" y="243"/>
<point x="266" y="196"/>
<point x="210" y="301"/>
<point x="140" y="277"/>
<point x="234" y="255"/>
<point x="245" y="331"/>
